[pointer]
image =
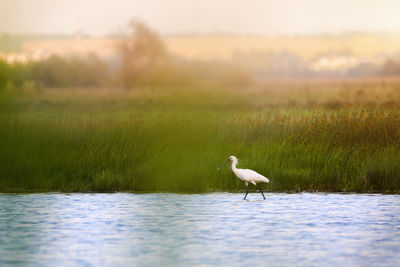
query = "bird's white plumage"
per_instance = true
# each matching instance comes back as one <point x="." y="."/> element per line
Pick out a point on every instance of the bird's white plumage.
<point x="247" y="175"/>
<point x="251" y="176"/>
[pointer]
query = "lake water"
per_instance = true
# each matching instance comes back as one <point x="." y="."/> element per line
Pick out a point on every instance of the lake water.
<point x="200" y="229"/>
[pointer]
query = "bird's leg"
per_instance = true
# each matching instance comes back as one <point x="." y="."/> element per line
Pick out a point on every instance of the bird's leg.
<point x="247" y="190"/>
<point x="259" y="188"/>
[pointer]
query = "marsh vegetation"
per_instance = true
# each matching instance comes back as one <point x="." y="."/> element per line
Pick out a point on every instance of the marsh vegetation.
<point x="313" y="136"/>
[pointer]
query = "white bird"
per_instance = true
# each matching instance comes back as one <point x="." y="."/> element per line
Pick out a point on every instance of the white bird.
<point x="246" y="175"/>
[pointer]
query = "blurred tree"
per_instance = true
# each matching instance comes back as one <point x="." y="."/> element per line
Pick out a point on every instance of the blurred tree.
<point x="141" y="51"/>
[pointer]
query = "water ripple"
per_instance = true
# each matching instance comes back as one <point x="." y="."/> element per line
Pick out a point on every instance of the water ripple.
<point x="199" y="229"/>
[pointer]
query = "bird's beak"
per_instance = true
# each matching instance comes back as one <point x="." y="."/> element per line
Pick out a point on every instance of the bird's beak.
<point x="226" y="161"/>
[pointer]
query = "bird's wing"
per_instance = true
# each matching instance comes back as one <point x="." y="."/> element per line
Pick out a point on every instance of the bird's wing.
<point x="255" y="176"/>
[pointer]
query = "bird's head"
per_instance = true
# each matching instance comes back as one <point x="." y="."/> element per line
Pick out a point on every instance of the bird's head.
<point x="233" y="158"/>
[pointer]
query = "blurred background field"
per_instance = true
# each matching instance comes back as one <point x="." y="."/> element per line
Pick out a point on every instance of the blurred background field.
<point x="345" y="55"/>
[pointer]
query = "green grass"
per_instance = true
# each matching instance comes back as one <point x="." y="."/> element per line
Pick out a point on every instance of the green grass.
<point x="174" y="140"/>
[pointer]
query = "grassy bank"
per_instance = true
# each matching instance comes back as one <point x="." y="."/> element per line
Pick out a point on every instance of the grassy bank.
<point x="346" y="139"/>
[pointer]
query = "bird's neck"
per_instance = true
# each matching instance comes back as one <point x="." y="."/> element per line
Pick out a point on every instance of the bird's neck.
<point x="234" y="163"/>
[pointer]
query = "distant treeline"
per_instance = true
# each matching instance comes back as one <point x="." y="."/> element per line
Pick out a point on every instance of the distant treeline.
<point x="55" y="72"/>
<point x="91" y="71"/>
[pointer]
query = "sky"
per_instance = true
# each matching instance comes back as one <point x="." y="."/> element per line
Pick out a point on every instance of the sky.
<point x="266" y="17"/>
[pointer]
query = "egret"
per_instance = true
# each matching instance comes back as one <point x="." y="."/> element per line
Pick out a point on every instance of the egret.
<point x="246" y="175"/>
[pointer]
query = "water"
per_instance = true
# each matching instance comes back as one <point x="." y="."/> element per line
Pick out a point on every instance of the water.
<point x="204" y="229"/>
